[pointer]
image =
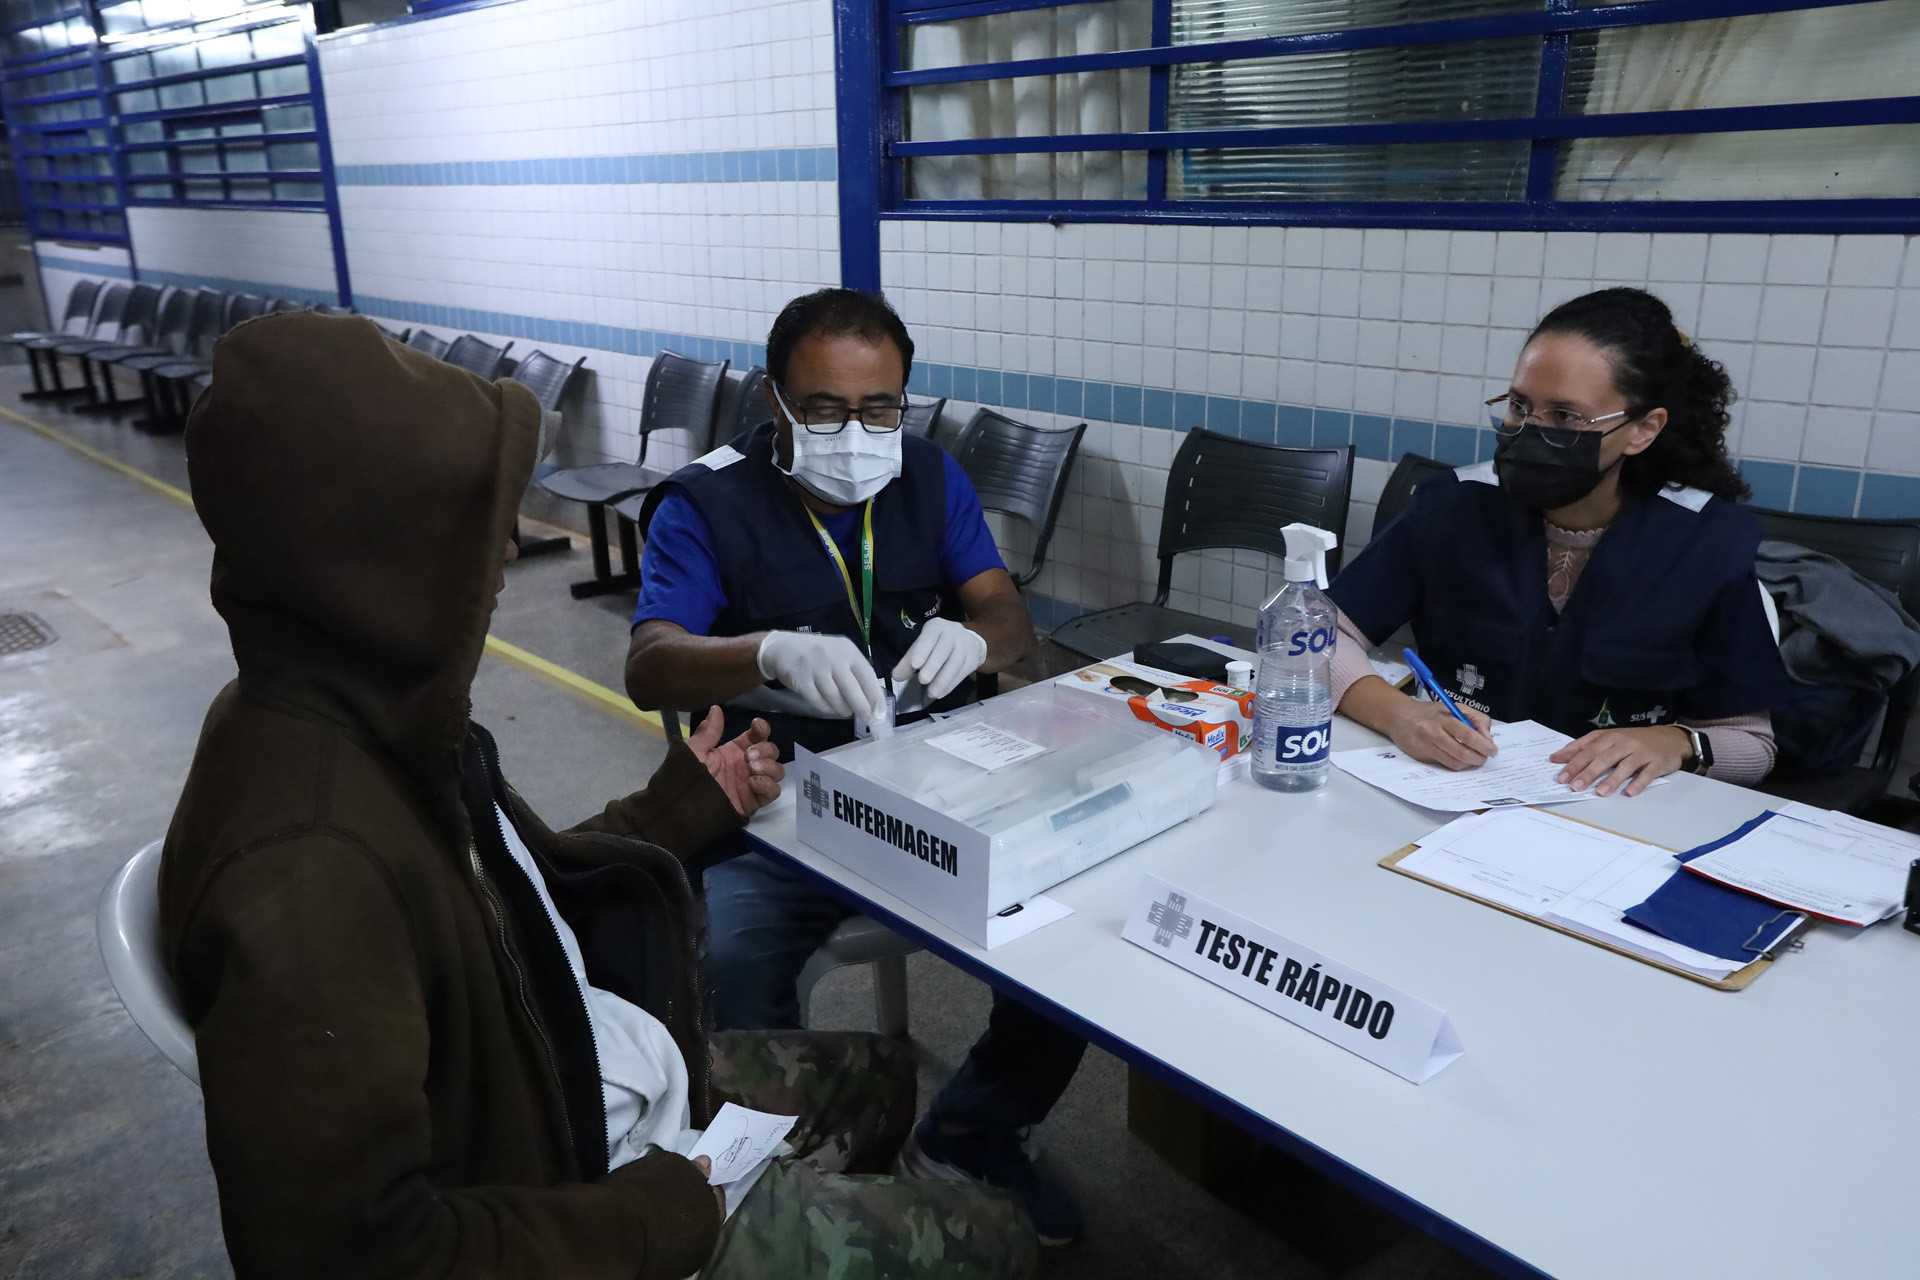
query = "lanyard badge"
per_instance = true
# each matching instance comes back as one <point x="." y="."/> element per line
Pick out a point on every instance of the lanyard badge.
<point x="862" y="604"/>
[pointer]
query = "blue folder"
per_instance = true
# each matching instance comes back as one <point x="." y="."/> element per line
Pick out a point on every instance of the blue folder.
<point x="1712" y="917"/>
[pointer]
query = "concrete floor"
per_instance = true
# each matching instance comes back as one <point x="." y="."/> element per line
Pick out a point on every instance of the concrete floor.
<point x="103" y="1171"/>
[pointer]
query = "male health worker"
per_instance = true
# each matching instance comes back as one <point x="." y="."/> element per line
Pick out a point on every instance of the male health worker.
<point x="791" y="575"/>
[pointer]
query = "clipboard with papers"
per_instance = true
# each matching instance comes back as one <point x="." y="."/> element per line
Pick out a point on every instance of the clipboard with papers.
<point x="1580" y="889"/>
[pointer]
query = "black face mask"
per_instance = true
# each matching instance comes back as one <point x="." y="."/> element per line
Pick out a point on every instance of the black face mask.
<point x="1542" y="477"/>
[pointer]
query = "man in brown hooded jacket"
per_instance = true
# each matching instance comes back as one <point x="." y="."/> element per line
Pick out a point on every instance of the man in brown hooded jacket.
<point x="398" y="1065"/>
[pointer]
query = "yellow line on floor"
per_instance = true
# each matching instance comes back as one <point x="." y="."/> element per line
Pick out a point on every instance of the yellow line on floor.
<point x="614" y="704"/>
<point x="88" y="451"/>
<point x="572" y="682"/>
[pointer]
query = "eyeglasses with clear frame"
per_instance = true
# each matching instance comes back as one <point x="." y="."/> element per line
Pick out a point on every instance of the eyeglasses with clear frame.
<point x="1560" y="428"/>
<point x="832" y="419"/>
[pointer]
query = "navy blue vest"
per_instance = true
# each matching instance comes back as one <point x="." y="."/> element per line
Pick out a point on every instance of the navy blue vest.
<point x="777" y="576"/>
<point x="1665" y="620"/>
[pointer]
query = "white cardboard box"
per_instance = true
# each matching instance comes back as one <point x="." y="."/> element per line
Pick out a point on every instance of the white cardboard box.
<point x="975" y="813"/>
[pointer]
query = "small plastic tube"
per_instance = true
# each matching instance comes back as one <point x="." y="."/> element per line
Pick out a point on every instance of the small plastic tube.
<point x="1239" y="674"/>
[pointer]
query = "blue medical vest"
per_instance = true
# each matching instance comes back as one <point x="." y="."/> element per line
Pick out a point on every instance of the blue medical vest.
<point x="777" y="576"/>
<point x="1664" y="622"/>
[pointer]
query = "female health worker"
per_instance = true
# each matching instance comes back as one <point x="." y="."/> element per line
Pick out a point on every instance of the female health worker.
<point x="1596" y="576"/>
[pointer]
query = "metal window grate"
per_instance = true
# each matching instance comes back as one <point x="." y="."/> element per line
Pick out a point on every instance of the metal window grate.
<point x="20" y="632"/>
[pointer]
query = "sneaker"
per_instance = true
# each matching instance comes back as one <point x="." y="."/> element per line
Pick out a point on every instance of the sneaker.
<point x="997" y="1160"/>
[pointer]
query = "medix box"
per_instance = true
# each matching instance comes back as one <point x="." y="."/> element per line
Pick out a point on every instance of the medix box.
<point x="1216" y="716"/>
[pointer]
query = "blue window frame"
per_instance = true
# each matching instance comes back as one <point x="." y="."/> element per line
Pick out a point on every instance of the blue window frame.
<point x="219" y="113"/>
<point x="111" y="103"/>
<point x="1533" y="114"/>
<point x="58" y="128"/>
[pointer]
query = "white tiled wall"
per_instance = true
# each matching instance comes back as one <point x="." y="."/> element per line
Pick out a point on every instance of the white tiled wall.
<point x="547" y="79"/>
<point x="274" y="252"/>
<point x="1820" y="334"/>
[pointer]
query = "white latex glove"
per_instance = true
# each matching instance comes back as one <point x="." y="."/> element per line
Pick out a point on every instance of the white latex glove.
<point x="945" y="654"/>
<point x="830" y="672"/>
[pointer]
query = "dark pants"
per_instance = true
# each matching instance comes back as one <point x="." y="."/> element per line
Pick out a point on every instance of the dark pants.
<point x="765" y="920"/>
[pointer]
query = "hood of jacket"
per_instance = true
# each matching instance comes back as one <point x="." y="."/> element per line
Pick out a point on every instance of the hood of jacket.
<point x="359" y="495"/>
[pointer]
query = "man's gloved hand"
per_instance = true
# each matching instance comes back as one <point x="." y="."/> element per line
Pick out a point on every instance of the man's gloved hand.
<point x="945" y="654"/>
<point x="830" y="672"/>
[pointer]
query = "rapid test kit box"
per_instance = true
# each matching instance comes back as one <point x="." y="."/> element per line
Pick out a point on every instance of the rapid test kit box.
<point x="971" y="815"/>
<point x="1216" y="716"/>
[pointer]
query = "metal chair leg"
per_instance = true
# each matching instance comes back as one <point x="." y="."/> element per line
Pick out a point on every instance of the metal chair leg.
<point x="890" y="996"/>
<point x="538" y="546"/>
<point x="604" y="580"/>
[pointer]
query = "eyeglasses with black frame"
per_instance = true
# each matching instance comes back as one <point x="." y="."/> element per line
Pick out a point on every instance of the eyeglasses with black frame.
<point x="1561" y="428"/>
<point x="832" y="418"/>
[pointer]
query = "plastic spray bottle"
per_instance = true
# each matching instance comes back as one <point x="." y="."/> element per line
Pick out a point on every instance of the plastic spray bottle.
<point x="1293" y="694"/>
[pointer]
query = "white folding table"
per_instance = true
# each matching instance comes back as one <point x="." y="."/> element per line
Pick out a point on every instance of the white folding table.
<point x="1607" y="1120"/>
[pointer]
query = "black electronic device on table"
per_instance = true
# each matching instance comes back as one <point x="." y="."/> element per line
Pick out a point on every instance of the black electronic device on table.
<point x="1184" y="659"/>
<point x="1912" y="919"/>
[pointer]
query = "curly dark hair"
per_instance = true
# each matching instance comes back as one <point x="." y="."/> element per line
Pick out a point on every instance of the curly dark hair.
<point x="1656" y="367"/>
<point x="835" y="313"/>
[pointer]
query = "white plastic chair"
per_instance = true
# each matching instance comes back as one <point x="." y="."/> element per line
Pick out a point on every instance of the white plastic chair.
<point x="858" y="940"/>
<point x="129" y="928"/>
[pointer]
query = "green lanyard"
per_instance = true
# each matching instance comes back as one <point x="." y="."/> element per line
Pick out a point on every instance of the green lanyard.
<point x="861" y="614"/>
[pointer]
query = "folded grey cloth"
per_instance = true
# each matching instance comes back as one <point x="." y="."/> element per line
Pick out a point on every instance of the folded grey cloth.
<point x="1836" y="627"/>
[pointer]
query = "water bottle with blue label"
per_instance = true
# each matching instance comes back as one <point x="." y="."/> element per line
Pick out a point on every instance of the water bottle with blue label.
<point x="1293" y="694"/>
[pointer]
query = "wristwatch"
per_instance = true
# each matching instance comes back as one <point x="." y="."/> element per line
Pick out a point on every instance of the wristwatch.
<point x="1701" y="758"/>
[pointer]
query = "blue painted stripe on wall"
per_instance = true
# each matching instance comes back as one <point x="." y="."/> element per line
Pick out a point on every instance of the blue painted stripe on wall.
<point x="1823" y="490"/>
<point x="772" y="164"/>
<point x="292" y="293"/>
<point x="571" y="333"/>
<point x="183" y="280"/>
<point x="111" y="270"/>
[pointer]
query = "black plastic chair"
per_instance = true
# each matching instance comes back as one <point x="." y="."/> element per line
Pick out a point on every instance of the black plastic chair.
<point x="475" y="356"/>
<point x="681" y="394"/>
<point x="1021" y="471"/>
<point x="743" y="406"/>
<point x="206" y="313"/>
<point x="102" y="326"/>
<point x="75" y="321"/>
<point x="162" y="334"/>
<point x="279" y="306"/>
<point x="137" y="319"/>
<point x="548" y="379"/>
<point x="1409" y="474"/>
<point x="175" y="385"/>
<point x="1222" y="492"/>
<point x="1887" y="553"/>
<point x="940" y="429"/>
<point x="921" y="419"/>
<point x="149" y="324"/>
<point x="421" y="340"/>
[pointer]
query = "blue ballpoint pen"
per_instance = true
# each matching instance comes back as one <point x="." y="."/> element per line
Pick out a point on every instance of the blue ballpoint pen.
<point x="1433" y="687"/>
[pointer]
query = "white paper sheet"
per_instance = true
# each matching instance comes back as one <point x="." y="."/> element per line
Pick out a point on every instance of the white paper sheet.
<point x="1597" y="908"/>
<point x="1519" y="858"/>
<point x="738" y="1140"/>
<point x="1392" y="672"/>
<point x="989" y="747"/>
<point x="1559" y="870"/>
<point x="1020" y="920"/>
<point x="1854" y="872"/>
<point x="1520" y="775"/>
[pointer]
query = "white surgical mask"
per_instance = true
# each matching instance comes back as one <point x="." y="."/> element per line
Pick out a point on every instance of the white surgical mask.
<point x="845" y="468"/>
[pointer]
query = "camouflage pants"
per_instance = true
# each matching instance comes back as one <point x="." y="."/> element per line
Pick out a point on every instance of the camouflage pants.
<point x="824" y="1212"/>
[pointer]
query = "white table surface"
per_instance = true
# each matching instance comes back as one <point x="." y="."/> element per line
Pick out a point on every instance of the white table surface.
<point x="1608" y="1119"/>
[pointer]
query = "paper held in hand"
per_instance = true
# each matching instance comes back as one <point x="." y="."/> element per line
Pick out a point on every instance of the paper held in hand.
<point x="738" y="1140"/>
<point x="1520" y="775"/>
<point x="1387" y="1027"/>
